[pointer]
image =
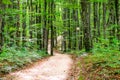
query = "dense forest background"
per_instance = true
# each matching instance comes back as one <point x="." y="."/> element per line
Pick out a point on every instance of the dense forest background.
<point x="91" y="26"/>
<point x="82" y="23"/>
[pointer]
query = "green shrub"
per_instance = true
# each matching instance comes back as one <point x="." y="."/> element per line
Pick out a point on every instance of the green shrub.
<point x="11" y="58"/>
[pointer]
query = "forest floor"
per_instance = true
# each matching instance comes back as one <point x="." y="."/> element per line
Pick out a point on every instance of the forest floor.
<point x="66" y="67"/>
<point x="56" y="67"/>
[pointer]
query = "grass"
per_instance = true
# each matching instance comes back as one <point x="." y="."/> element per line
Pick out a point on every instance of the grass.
<point x="12" y="59"/>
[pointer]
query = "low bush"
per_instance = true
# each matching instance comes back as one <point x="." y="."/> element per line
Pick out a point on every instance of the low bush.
<point x="12" y="59"/>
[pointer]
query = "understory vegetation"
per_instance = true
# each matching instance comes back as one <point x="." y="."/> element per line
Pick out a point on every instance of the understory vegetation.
<point x="103" y="66"/>
<point x="102" y="63"/>
<point x="13" y="59"/>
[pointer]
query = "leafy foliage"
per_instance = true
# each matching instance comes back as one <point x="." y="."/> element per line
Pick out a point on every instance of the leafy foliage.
<point x="104" y="63"/>
<point x="6" y="2"/>
<point x="12" y="59"/>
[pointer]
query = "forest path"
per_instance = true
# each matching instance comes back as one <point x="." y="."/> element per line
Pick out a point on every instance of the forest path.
<point x="56" y="67"/>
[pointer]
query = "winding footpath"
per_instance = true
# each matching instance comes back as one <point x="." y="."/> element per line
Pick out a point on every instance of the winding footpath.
<point x="56" y="67"/>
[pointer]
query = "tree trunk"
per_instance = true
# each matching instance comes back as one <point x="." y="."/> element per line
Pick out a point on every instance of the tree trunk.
<point x="98" y="24"/>
<point x="85" y="22"/>
<point x="104" y="20"/>
<point x="111" y="21"/>
<point x="18" y="27"/>
<point x="51" y="25"/>
<point x="63" y="47"/>
<point x="76" y="25"/>
<point x="117" y="7"/>
<point x="69" y="29"/>
<point x="21" y="23"/>
<point x="45" y="29"/>
<point x="1" y="27"/>
<point x="39" y="35"/>
<point x="96" y="31"/>
<point x="95" y="6"/>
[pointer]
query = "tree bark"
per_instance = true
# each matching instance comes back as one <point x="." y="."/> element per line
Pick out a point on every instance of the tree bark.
<point x="51" y="25"/>
<point x="104" y="20"/>
<point x="45" y="29"/>
<point x="95" y="7"/>
<point x="69" y="29"/>
<point x="64" y="16"/>
<point x="117" y="7"/>
<point x="85" y="22"/>
<point x="1" y="27"/>
<point x="111" y="20"/>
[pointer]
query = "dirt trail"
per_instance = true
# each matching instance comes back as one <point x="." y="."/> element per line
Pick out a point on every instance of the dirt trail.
<point x="54" y="68"/>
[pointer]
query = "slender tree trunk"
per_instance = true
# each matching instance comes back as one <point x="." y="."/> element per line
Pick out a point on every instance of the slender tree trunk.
<point x="76" y="25"/>
<point x="81" y="39"/>
<point x="45" y="27"/>
<point x="18" y="27"/>
<point x="38" y="19"/>
<point x="104" y="20"/>
<point x="81" y="34"/>
<point x="96" y="31"/>
<point x="69" y="29"/>
<point x="98" y="24"/>
<point x="21" y="23"/>
<point x="63" y="47"/>
<point x="27" y="32"/>
<point x="111" y="20"/>
<point x="117" y="7"/>
<point x="51" y="11"/>
<point x="55" y="27"/>
<point x="24" y="29"/>
<point x="89" y="23"/>
<point x="95" y="7"/>
<point x="31" y="20"/>
<point x="1" y="28"/>
<point x="85" y="22"/>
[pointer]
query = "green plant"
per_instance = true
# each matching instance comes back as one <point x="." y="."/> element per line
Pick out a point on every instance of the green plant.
<point x="11" y="58"/>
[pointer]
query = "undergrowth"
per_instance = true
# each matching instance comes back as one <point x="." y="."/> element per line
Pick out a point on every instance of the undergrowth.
<point x="102" y="64"/>
<point x="12" y="59"/>
<point x="77" y="52"/>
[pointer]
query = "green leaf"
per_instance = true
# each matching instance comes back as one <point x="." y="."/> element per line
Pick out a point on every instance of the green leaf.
<point x="6" y="2"/>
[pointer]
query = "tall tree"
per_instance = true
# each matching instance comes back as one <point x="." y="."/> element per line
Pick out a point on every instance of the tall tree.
<point x="104" y="20"/>
<point x="19" y="32"/>
<point x="38" y="21"/>
<point x="45" y="28"/>
<point x="51" y="25"/>
<point x="85" y="15"/>
<point x="64" y="16"/>
<point x="0" y="26"/>
<point x="117" y="9"/>
<point x="21" y="22"/>
<point x="69" y="28"/>
<point x="111" y="20"/>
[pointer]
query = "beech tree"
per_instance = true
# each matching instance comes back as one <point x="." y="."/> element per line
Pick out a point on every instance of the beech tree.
<point x="83" y="24"/>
